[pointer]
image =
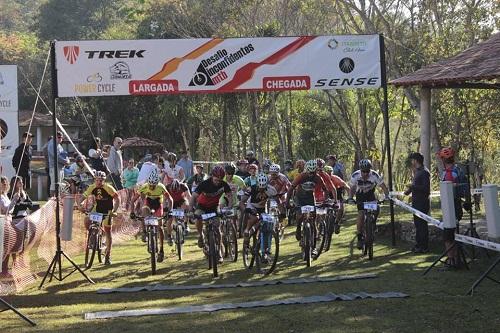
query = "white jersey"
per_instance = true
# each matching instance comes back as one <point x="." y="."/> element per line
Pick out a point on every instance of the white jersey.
<point x="145" y="171"/>
<point x="172" y="173"/>
<point x="368" y="185"/>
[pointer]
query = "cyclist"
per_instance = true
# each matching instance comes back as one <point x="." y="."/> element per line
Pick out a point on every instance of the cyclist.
<point x="153" y="194"/>
<point x="197" y="178"/>
<point x="171" y="170"/>
<point x="206" y="199"/>
<point x="180" y="197"/>
<point x="242" y="169"/>
<point x="236" y="184"/>
<point x="363" y="183"/>
<point x="78" y="174"/>
<point x="299" y="168"/>
<point x="281" y="183"/>
<point x="255" y="198"/>
<point x="305" y="184"/>
<point x="107" y="202"/>
<point x="340" y="185"/>
<point x="250" y="157"/>
<point x="318" y="193"/>
<point x="252" y="179"/>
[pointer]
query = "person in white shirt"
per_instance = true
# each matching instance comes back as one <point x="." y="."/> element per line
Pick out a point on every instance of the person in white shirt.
<point x="172" y="170"/>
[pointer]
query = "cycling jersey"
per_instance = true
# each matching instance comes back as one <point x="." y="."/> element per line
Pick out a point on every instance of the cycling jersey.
<point x="251" y="181"/>
<point x="338" y="182"/>
<point x="305" y="185"/>
<point x="293" y="174"/>
<point x="180" y="194"/>
<point x="155" y="193"/>
<point x="368" y="185"/>
<point x="280" y="183"/>
<point x="209" y="194"/>
<point x="319" y="194"/>
<point x="104" y="197"/>
<point x="235" y="184"/>
<point x="172" y="173"/>
<point x="258" y="197"/>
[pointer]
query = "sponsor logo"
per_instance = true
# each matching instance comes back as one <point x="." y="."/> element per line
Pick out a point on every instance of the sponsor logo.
<point x="71" y="53"/>
<point x="333" y="43"/>
<point x="210" y="71"/>
<point x="153" y="87"/>
<point x="348" y="82"/>
<point x="120" y="70"/>
<point x="4" y="129"/>
<point x="96" y="77"/>
<point x="92" y="88"/>
<point x="354" y="46"/>
<point x="346" y="65"/>
<point x="287" y="83"/>
<point x="115" y="54"/>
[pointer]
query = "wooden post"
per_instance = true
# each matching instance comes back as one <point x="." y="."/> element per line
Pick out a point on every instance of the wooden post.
<point x="425" y="125"/>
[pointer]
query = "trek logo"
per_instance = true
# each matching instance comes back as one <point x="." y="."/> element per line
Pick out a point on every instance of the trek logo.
<point x="211" y="70"/>
<point x="71" y="53"/>
<point x="115" y="54"/>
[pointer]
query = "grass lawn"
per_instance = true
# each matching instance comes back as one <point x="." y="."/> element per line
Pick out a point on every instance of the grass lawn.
<point x="436" y="303"/>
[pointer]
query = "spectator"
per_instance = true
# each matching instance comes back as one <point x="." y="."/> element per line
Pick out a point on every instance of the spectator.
<point x="186" y="164"/>
<point x="58" y="162"/>
<point x="250" y="157"/>
<point x="130" y="175"/>
<point x="420" y="190"/>
<point x="46" y="158"/>
<point x="197" y="178"/>
<point x="115" y="163"/>
<point x="242" y="169"/>
<point x="96" y="158"/>
<point x="22" y="158"/>
<point x="6" y="208"/>
<point x="172" y="170"/>
<point x="20" y="200"/>
<point x="338" y="168"/>
<point x="148" y="165"/>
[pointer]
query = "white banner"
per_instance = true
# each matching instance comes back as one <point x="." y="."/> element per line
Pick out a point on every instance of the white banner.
<point x="8" y="88"/>
<point x="10" y="140"/>
<point x="154" y="67"/>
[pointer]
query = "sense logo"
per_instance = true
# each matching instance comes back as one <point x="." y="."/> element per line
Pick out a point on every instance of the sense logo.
<point x="71" y="53"/>
<point x="346" y="65"/>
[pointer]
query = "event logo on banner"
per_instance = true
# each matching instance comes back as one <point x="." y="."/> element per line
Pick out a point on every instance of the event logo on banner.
<point x="8" y="88"/>
<point x="153" y="67"/>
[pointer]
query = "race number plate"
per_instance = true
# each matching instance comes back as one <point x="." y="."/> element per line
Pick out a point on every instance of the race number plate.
<point x="321" y="211"/>
<point x="96" y="217"/>
<point x="226" y="210"/>
<point x="240" y="193"/>
<point x="267" y="218"/>
<point x="177" y="213"/>
<point x="307" y="209"/>
<point x="151" y="221"/>
<point x="370" y="206"/>
<point x="273" y="204"/>
<point x="208" y="216"/>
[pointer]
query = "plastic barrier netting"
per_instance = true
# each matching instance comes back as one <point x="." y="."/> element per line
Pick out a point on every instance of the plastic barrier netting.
<point x="29" y="244"/>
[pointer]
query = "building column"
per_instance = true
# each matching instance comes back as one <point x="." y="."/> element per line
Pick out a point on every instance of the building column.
<point x="39" y="139"/>
<point x="425" y="125"/>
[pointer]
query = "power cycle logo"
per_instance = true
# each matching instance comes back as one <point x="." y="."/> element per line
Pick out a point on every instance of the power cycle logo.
<point x="211" y="70"/>
<point x="346" y="65"/>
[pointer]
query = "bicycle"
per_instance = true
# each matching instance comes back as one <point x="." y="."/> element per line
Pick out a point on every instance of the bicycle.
<point x="179" y="227"/>
<point x="307" y="241"/>
<point x="229" y="234"/>
<point x="211" y="232"/>
<point x="371" y="210"/>
<point x="332" y="224"/>
<point x="151" y="225"/>
<point x="95" y="242"/>
<point x="262" y="248"/>
<point x="320" y="229"/>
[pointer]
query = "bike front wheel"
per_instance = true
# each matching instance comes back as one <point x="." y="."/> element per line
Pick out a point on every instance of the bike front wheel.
<point x="153" y="249"/>
<point x="267" y="253"/>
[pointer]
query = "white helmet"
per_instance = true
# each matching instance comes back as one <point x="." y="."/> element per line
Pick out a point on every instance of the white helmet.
<point x="262" y="180"/>
<point x="153" y="178"/>
<point x="311" y="166"/>
<point x="274" y="168"/>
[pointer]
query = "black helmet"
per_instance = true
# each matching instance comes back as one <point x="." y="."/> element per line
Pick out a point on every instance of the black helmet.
<point x="230" y="168"/>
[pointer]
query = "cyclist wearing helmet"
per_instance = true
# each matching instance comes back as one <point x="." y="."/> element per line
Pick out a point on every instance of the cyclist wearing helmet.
<point x="153" y="194"/>
<point x="318" y="192"/>
<point x="304" y="185"/>
<point x="363" y="184"/>
<point x="455" y="175"/>
<point x="197" y="178"/>
<point x="251" y="180"/>
<point x="180" y="197"/>
<point x="255" y="199"/>
<point x="205" y="198"/>
<point x="281" y="183"/>
<point x="106" y="201"/>
<point x="299" y="168"/>
<point x="171" y="170"/>
<point x="242" y="169"/>
<point x="250" y="157"/>
<point x="235" y="183"/>
<point x="340" y="185"/>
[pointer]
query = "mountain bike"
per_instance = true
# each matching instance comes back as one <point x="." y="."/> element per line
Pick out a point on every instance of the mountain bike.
<point x="179" y="228"/>
<point x="307" y="241"/>
<point x="211" y="248"/>
<point x="229" y="234"/>
<point x="95" y="242"/>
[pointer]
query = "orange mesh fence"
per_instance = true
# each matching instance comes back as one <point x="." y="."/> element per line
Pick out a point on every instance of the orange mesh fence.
<point x="29" y="244"/>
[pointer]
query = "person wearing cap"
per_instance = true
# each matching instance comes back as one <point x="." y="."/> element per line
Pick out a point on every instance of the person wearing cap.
<point x="115" y="163"/>
<point x="420" y="190"/>
<point x="338" y="168"/>
<point x="22" y="159"/>
<point x="250" y="157"/>
<point x="57" y="162"/>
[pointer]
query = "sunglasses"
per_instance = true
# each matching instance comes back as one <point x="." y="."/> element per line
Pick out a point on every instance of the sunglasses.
<point x="365" y="171"/>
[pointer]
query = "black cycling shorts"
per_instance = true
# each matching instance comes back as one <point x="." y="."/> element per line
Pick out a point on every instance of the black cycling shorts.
<point x="361" y="198"/>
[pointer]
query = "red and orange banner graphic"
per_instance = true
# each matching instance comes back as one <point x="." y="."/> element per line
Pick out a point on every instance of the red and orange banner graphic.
<point x="155" y="67"/>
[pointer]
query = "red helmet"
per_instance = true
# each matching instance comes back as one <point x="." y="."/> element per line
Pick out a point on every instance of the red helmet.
<point x="253" y="166"/>
<point x="446" y="152"/>
<point x="320" y="162"/>
<point x="218" y="171"/>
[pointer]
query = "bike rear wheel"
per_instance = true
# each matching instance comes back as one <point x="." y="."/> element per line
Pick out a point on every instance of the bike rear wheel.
<point x="267" y="252"/>
<point x="231" y="242"/>
<point x="248" y="252"/>
<point x="212" y="252"/>
<point x="322" y="236"/>
<point x="369" y="237"/>
<point x="179" y="239"/>
<point x="307" y="247"/>
<point x="92" y="247"/>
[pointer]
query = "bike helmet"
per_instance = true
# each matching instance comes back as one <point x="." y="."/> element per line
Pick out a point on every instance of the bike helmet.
<point x="100" y="175"/>
<point x="311" y="166"/>
<point x="80" y="158"/>
<point x="241" y="162"/>
<point x="365" y="164"/>
<point x="300" y="163"/>
<point x="446" y="152"/>
<point x="328" y="169"/>
<point x="153" y="178"/>
<point x="262" y="180"/>
<point x="230" y="168"/>
<point x="175" y="185"/>
<point x="218" y="172"/>
<point x="171" y="157"/>
<point x="253" y="166"/>
<point x="275" y="168"/>
<point x="249" y="153"/>
<point x="321" y="163"/>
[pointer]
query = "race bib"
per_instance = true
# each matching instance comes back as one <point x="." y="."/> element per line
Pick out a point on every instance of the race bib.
<point x="177" y="213"/>
<point x="370" y="205"/>
<point x="151" y="221"/>
<point x="208" y="216"/>
<point x="307" y="209"/>
<point x="96" y="217"/>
